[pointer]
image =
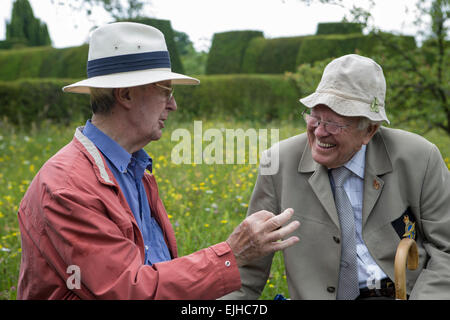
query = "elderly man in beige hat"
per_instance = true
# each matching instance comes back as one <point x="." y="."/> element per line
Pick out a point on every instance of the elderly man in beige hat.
<point x="92" y="223"/>
<point x="357" y="188"/>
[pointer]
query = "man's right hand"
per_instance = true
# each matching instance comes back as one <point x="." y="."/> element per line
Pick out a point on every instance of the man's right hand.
<point x="260" y="234"/>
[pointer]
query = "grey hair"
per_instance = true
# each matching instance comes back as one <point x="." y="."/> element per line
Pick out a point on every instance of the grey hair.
<point x="364" y="123"/>
<point x="102" y="100"/>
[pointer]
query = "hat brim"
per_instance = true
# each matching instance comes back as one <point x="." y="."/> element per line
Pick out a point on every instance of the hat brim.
<point x="130" y="79"/>
<point x="345" y="107"/>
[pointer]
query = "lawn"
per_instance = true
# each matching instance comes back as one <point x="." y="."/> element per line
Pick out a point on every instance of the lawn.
<point x="204" y="201"/>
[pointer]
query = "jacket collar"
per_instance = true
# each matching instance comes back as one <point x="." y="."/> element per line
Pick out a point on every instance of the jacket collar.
<point x="102" y="171"/>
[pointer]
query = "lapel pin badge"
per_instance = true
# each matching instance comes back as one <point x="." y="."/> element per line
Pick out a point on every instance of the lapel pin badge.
<point x="376" y="184"/>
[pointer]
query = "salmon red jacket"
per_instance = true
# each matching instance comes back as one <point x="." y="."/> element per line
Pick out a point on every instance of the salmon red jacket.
<point x="74" y="214"/>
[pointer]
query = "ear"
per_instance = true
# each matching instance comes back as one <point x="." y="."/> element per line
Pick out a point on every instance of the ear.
<point x="370" y="132"/>
<point x="123" y="97"/>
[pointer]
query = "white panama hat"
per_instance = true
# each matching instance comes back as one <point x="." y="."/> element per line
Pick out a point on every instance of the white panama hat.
<point x="352" y="86"/>
<point x="127" y="54"/>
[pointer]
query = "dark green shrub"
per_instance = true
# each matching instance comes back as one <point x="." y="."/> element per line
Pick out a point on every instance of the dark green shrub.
<point x="48" y="62"/>
<point x="227" y="51"/>
<point x="26" y="27"/>
<point x="272" y="55"/>
<point x="321" y="47"/>
<point x="13" y="43"/>
<point x="43" y="62"/>
<point x="34" y="100"/>
<point x="242" y="97"/>
<point x="338" y="28"/>
<point x="318" y="48"/>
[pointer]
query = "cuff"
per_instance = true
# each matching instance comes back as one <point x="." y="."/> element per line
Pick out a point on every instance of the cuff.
<point x="227" y="266"/>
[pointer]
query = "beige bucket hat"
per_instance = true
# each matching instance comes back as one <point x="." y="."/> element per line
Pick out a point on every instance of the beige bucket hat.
<point x="352" y="86"/>
<point x="127" y="54"/>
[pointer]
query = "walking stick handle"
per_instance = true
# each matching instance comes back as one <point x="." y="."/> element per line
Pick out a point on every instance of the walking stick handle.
<point x="406" y="255"/>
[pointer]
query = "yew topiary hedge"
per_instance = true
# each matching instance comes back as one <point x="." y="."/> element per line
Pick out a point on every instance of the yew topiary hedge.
<point x="271" y="55"/>
<point x="48" y="62"/>
<point x="227" y="51"/>
<point x="244" y="97"/>
<point x="250" y="52"/>
<point x="339" y="28"/>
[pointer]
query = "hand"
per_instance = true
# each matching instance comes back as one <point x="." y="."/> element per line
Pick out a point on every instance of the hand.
<point x="259" y="234"/>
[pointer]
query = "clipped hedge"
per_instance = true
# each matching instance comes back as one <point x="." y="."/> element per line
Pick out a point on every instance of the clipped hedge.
<point x="274" y="56"/>
<point x="244" y="97"/>
<point x="13" y="43"/>
<point x="338" y="28"/>
<point x="43" y="62"/>
<point x="227" y="51"/>
<point x="48" y="62"/>
<point x="321" y="47"/>
<point x="239" y="96"/>
<point x="327" y="46"/>
<point x="34" y="100"/>
<point x="250" y="52"/>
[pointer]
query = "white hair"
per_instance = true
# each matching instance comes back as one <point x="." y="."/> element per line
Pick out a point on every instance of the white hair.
<point x="364" y="123"/>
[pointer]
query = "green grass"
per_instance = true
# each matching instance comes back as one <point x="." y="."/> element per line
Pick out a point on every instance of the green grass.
<point x="205" y="202"/>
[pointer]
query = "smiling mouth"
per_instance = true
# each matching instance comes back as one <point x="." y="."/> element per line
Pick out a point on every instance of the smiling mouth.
<point x="325" y="145"/>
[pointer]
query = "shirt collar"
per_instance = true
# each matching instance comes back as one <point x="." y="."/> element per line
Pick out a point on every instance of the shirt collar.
<point x="357" y="163"/>
<point x="115" y="153"/>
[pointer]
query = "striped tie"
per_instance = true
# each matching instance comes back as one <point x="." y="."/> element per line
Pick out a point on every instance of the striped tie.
<point x="348" y="288"/>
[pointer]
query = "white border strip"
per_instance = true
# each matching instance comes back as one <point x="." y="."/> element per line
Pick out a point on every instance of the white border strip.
<point x="93" y="151"/>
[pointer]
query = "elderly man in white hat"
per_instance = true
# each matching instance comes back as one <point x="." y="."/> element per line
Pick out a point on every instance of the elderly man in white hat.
<point x="357" y="188"/>
<point x="92" y="223"/>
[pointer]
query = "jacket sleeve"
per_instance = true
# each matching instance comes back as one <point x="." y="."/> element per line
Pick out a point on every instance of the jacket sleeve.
<point x="79" y="232"/>
<point x="434" y="280"/>
<point x="255" y="274"/>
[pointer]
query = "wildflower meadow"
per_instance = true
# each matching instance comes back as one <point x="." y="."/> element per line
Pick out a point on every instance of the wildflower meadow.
<point x="205" y="202"/>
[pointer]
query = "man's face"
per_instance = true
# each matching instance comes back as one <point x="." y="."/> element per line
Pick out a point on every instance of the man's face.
<point x="334" y="150"/>
<point x="152" y="109"/>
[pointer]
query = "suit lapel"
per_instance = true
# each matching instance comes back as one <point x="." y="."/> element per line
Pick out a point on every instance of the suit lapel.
<point x="320" y="183"/>
<point x="377" y="164"/>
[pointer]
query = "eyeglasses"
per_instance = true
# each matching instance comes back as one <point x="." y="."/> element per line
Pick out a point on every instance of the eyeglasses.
<point x="330" y="127"/>
<point x="169" y="91"/>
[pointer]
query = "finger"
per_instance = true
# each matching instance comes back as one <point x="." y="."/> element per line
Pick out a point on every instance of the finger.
<point x="281" y="245"/>
<point x="283" y="231"/>
<point x="262" y="215"/>
<point x="279" y="220"/>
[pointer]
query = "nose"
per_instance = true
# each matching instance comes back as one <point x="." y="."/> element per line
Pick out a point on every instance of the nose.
<point x="172" y="104"/>
<point x="320" y="131"/>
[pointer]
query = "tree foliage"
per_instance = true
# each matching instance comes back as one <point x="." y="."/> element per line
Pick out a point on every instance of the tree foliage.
<point x="118" y="9"/>
<point x="418" y="80"/>
<point x="25" y="27"/>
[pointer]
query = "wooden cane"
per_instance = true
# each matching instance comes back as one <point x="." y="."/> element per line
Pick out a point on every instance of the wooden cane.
<point x="406" y="254"/>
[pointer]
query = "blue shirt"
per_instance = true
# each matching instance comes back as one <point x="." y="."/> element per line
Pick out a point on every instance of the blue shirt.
<point x="128" y="169"/>
<point x="368" y="270"/>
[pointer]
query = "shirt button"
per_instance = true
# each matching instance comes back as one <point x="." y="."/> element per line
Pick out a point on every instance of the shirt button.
<point x="146" y="247"/>
<point x="331" y="289"/>
<point x="227" y="263"/>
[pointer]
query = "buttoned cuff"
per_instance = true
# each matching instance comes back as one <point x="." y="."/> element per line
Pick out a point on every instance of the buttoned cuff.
<point x="227" y="267"/>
